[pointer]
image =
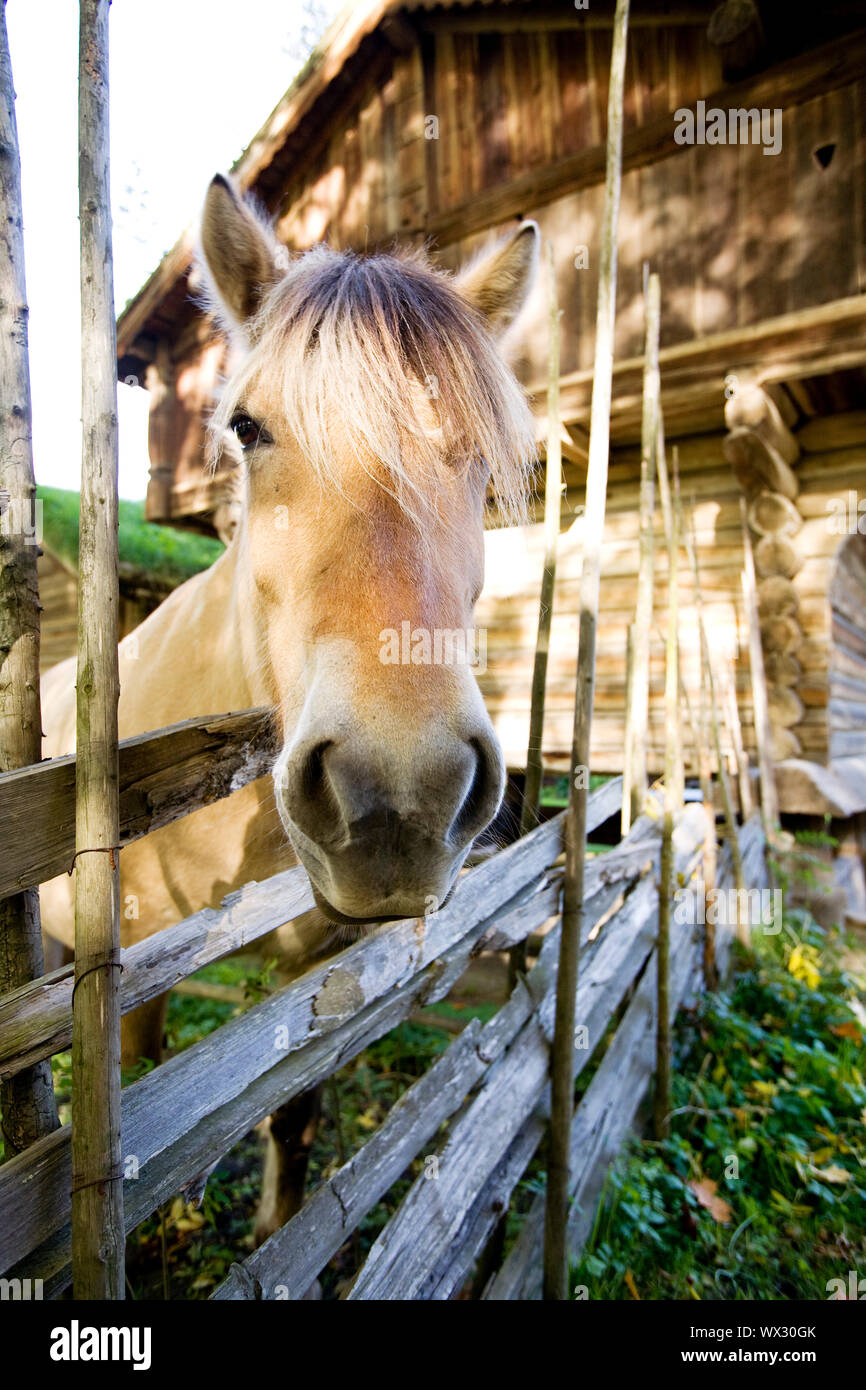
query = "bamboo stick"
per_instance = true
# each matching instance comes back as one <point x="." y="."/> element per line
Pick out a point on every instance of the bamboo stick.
<point x="709" y="859"/>
<point x="26" y="1100"/>
<point x="741" y="757"/>
<point x="627" y="772"/>
<point x="552" y="514"/>
<point x="672" y="794"/>
<point x="637" y="707"/>
<point x="679" y="758"/>
<point x="97" y="1188"/>
<point x="760" y="705"/>
<point x="700" y="733"/>
<point x="555" y="1283"/>
<point x="552" y="518"/>
<point x="743" y="933"/>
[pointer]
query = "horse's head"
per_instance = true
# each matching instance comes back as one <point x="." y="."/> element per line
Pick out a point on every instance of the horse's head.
<point x="373" y="413"/>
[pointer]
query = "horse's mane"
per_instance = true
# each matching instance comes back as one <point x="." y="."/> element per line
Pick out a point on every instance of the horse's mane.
<point x="364" y="339"/>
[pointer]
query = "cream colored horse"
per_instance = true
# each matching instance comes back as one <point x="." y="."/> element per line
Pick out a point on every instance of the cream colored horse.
<point x="370" y="411"/>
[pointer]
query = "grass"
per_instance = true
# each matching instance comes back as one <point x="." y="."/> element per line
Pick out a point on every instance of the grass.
<point x="760" y="1190"/>
<point x="554" y="791"/>
<point x="164" y="552"/>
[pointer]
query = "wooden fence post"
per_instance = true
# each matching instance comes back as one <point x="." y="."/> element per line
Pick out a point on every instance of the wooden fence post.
<point x="698" y="724"/>
<point x="763" y="733"/>
<point x="743" y="932"/>
<point x="97" y="1180"/>
<point x="26" y="1100"/>
<point x="732" y="718"/>
<point x="552" y="513"/>
<point x="637" y="696"/>
<point x="672" y="793"/>
<point x="562" y="1056"/>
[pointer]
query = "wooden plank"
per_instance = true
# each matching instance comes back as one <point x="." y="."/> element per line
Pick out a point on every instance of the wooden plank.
<point x="36" y="1020"/>
<point x="286" y="1264"/>
<point x="830" y="432"/>
<point x="798" y="80"/>
<point x="448" y="1276"/>
<point x="600" y="1124"/>
<point x="607" y="877"/>
<point x="430" y="1217"/>
<point x="493" y="123"/>
<point x="186" y="1163"/>
<point x="163" y="775"/>
<point x="696" y="366"/>
<point x="295" y="1254"/>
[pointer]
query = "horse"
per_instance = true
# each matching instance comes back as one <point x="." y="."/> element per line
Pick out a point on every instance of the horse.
<point x="371" y="414"/>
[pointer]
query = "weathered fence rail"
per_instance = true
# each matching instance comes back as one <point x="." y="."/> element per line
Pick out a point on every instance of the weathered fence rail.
<point x="607" y="1110"/>
<point x="430" y="1243"/>
<point x="163" y="775"/>
<point x="199" y="1103"/>
<point x="492" y="1082"/>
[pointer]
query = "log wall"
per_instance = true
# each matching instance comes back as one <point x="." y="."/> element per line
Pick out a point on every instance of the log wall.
<point x="829" y="638"/>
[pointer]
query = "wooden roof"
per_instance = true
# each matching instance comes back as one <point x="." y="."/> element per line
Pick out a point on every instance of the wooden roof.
<point x="363" y="42"/>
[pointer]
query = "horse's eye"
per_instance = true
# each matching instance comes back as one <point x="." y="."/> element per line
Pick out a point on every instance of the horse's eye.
<point x="247" y="431"/>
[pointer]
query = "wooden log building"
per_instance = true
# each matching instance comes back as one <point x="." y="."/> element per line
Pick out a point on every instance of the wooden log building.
<point x="743" y="186"/>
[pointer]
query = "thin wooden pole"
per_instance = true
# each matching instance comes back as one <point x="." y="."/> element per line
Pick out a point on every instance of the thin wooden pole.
<point x="672" y="801"/>
<point x="700" y="726"/>
<point x="552" y="515"/>
<point x="679" y="759"/>
<point x="97" y="1188"/>
<point x="760" y="705"/>
<point x="741" y="757"/>
<point x="709" y="859"/>
<point x="26" y="1100"/>
<point x="555" y="1284"/>
<point x="637" y="706"/>
<point x="727" y="804"/>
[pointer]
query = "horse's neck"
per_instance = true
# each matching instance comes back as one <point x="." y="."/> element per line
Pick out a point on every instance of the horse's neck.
<point x="231" y="616"/>
<point x="200" y="652"/>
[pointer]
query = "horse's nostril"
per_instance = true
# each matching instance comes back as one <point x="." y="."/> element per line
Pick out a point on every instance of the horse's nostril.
<point x="313" y="770"/>
<point x="478" y="806"/>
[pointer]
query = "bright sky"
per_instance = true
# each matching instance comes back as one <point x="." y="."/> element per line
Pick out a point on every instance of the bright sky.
<point x="191" y="82"/>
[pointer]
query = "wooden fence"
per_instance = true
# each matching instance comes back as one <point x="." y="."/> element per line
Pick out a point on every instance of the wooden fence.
<point x="490" y="1085"/>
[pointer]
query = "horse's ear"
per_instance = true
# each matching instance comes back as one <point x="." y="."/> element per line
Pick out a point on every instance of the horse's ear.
<point x="497" y="284"/>
<point x="239" y="253"/>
